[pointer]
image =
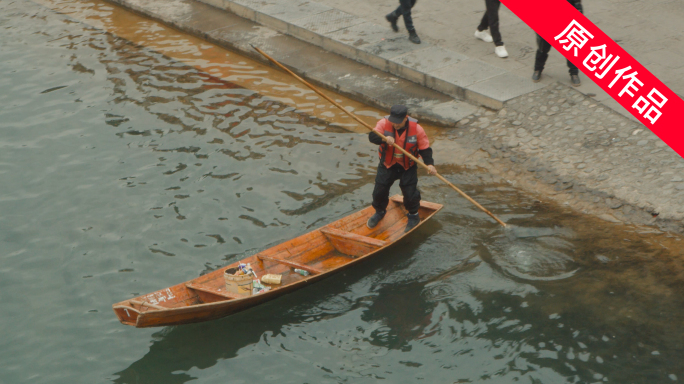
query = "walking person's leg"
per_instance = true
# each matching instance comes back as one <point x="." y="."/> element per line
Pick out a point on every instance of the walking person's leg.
<point x="405" y="6"/>
<point x="493" y="20"/>
<point x="484" y="23"/>
<point x="574" y="74"/>
<point x="392" y="17"/>
<point x="543" y="49"/>
<point x="493" y="17"/>
<point x="481" y="31"/>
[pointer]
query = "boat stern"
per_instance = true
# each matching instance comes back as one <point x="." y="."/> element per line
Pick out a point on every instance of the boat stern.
<point x="127" y="315"/>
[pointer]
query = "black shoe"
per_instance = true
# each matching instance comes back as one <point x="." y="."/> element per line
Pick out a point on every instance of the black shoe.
<point x="536" y="76"/>
<point x="413" y="37"/>
<point x="413" y="220"/>
<point x="375" y="219"/>
<point x="393" y="22"/>
<point x="574" y="79"/>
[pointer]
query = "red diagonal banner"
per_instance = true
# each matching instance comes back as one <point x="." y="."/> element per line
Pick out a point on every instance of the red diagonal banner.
<point x="602" y="60"/>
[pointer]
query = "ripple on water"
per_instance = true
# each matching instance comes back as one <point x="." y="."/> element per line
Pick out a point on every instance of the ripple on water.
<point x="531" y="253"/>
<point x="533" y="262"/>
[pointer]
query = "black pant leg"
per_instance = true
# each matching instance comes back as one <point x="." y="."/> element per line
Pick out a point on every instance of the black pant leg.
<point x="492" y="14"/>
<point x="405" y="10"/>
<point x="396" y="13"/>
<point x="383" y="182"/>
<point x="572" y="68"/>
<point x="409" y="188"/>
<point x="484" y="23"/>
<point x="543" y="49"/>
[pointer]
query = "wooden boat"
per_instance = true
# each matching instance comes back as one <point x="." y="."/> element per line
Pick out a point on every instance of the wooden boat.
<point x="322" y="252"/>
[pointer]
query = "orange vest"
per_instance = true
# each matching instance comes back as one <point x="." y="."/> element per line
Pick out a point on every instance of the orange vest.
<point x="408" y="141"/>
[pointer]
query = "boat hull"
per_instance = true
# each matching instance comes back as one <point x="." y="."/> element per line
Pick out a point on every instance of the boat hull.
<point x="323" y="252"/>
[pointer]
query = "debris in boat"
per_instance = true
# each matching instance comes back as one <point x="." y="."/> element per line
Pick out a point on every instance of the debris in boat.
<point x="237" y="281"/>
<point x="301" y="272"/>
<point x="246" y="269"/>
<point x="271" y="279"/>
<point x="258" y="287"/>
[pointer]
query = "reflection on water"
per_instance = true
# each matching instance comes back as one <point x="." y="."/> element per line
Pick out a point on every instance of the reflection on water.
<point x="123" y="170"/>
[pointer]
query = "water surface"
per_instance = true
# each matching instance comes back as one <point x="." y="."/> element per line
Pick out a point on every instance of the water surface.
<point x="127" y="166"/>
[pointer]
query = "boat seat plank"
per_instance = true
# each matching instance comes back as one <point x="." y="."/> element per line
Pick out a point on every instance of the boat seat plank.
<point x="291" y="264"/>
<point x="352" y="244"/>
<point x="205" y="289"/>
<point x="353" y="236"/>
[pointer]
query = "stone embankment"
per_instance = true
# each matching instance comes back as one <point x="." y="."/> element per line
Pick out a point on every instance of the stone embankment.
<point x="565" y="145"/>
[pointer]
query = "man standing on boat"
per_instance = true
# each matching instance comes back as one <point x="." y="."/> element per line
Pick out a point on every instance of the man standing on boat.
<point x="405" y="131"/>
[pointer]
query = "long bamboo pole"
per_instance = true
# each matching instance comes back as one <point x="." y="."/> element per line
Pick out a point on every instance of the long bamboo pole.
<point x="384" y="138"/>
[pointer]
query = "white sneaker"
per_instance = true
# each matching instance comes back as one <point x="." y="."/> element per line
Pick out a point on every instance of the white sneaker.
<point x="484" y="36"/>
<point x="501" y="51"/>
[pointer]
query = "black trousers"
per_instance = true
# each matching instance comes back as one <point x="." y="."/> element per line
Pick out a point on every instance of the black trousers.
<point x="491" y="20"/>
<point x="543" y="49"/>
<point x="408" y="182"/>
<point x="404" y="9"/>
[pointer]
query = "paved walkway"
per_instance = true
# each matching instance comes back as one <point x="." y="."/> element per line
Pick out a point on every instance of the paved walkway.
<point x="430" y="64"/>
<point x="452" y="61"/>
<point x="649" y="30"/>
<point x="549" y="138"/>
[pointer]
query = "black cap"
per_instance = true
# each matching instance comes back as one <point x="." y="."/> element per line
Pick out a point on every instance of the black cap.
<point x="397" y="114"/>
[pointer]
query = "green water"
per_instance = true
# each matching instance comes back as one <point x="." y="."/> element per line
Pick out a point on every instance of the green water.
<point x="123" y="171"/>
